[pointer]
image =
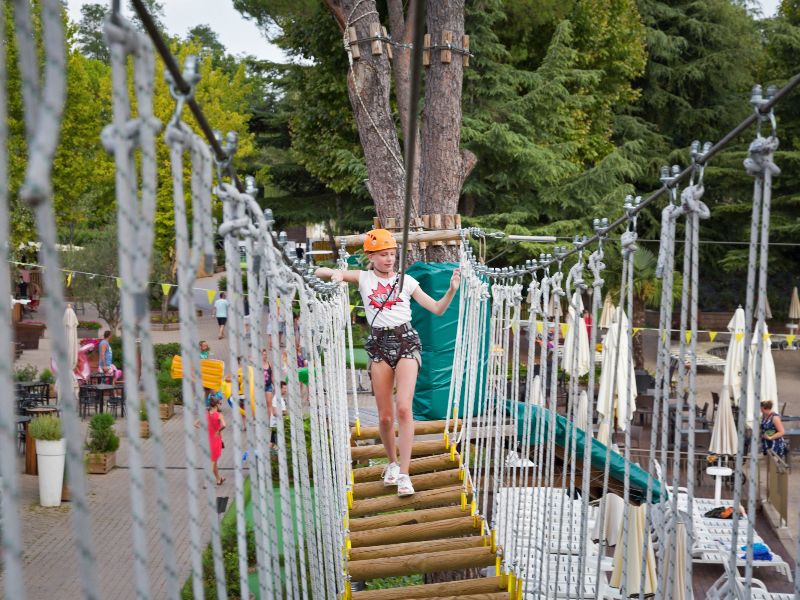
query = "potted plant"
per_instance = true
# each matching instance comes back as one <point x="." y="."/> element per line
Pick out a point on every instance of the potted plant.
<point x="26" y="373"/>
<point x="101" y="448"/>
<point x="88" y="329"/>
<point x="46" y="376"/>
<point x="144" y="425"/>
<point x="28" y="333"/>
<point x="51" y="450"/>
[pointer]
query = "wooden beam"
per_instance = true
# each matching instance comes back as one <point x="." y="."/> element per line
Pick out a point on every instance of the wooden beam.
<point x="420" y="428"/>
<point x="388" y="550"/>
<point x="460" y="526"/>
<point x="353" y="37"/>
<point x="426" y="481"/>
<point x="378" y="451"/>
<point x="429" y="499"/>
<point x="465" y="45"/>
<point x="426" y="464"/>
<point x="413" y="237"/>
<point x="449" y="560"/>
<point x="447" y="38"/>
<point x="377" y="45"/>
<point x="427" y="515"/>
<point x="483" y="585"/>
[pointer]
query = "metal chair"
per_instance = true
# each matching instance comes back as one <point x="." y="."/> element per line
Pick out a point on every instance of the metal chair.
<point x="88" y="397"/>
<point x="116" y="401"/>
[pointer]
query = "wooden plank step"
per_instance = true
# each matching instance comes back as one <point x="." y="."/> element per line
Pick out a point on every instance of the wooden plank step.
<point x="423" y="448"/>
<point x="387" y="550"/>
<point x="426" y="464"/>
<point x="489" y="596"/>
<point x="427" y="499"/>
<point x="410" y="564"/>
<point x="415" y="533"/>
<point x="420" y="428"/>
<point x="426" y="481"/>
<point x="410" y="517"/>
<point x="483" y="585"/>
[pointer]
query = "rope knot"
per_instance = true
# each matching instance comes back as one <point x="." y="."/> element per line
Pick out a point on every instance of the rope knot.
<point x="691" y="201"/>
<point x="761" y="152"/>
<point x="628" y="241"/>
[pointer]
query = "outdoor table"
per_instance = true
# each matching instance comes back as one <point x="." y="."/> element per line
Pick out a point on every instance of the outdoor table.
<point x="718" y="473"/>
<point x="31" y="467"/>
<point x="104" y="389"/>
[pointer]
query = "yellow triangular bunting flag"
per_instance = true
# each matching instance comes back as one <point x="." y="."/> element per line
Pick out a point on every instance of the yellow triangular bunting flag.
<point x="165" y="288"/>
<point x="688" y="336"/>
<point x="539" y="326"/>
<point x="739" y="336"/>
<point x="712" y="335"/>
<point x="514" y="328"/>
<point x="563" y="330"/>
<point x="69" y="278"/>
<point x="210" y="295"/>
<point x="636" y="330"/>
<point x="790" y="339"/>
<point x="119" y="282"/>
<point x="352" y="307"/>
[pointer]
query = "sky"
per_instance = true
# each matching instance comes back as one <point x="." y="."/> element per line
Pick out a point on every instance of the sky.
<point x="240" y="36"/>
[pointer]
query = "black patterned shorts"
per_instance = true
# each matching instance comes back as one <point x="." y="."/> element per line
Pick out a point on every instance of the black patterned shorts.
<point x="390" y="344"/>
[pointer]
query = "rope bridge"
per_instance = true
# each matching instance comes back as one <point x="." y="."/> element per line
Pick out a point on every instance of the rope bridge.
<point x="512" y="485"/>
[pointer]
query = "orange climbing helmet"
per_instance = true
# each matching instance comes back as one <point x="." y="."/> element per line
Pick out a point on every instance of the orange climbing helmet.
<point x="377" y="240"/>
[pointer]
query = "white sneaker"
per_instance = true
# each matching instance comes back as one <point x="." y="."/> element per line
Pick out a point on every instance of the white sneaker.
<point x="404" y="487"/>
<point x="273" y="422"/>
<point x="390" y="474"/>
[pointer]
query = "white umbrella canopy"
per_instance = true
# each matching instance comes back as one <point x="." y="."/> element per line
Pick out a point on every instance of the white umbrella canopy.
<point x="794" y="305"/>
<point x="724" y="438"/>
<point x="611" y="532"/>
<point x="576" y="340"/>
<point x="732" y="378"/>
<point x="607" y="315"/>
<point x="677" y="542"/>
<point x="767" y="309"/>
<point x="616" y="376"/>
<point x="536" y="392"/>
<point x="581" y="421"/>
<point x="638" y="541"/>
<point x="769" y="382"/>
<point x="70" y="322"/>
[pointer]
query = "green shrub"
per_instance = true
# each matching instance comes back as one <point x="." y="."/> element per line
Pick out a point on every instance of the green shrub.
<point x="116" y="349"/>
<point x="143" y="412"/>
<point x="169" y="389"/>
<point x="46" y="427"/>
<point x="26" y="373"/>
<point x="161" y="352"/>
<point x="102" y="437"/>
<point x="46" y="376"/>
<point x="287" y="433"/>
<point x="89" y="325"/>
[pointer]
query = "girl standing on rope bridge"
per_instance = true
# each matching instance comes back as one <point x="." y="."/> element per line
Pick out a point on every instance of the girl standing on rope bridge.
<point x="393" y="345"/>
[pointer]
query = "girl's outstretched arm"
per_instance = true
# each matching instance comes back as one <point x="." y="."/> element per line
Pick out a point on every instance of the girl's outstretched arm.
<point x="337" y="275"/>
<point x="438" y="307"/>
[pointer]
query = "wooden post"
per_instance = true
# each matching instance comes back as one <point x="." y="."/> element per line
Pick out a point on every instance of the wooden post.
<point x="446" y="55"/>
<point x="449" y="560"/>
<point x="436" y="224"/>
<point x="377" y="450"/>
<point x="483" y="585"/>
<point x="406" y="518"/>
<point x="388" y="550"/>
<point x="465" y="45"/>
<point x="420" y="428"/>
<point x="375" y="31"/>
<point x="426" y="50"/>
<point x="427" y="499"/>
<point x="353" y="37"/>
<point x="376" y="224"/>
<point x="427" y="481"/>
<point x="460" y="526"/>
<point x="388" y="45"/>
<point x="425" y="464"/>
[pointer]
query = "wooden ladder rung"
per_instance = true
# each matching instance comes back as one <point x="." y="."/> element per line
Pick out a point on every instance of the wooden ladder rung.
<point x="387" y="550"/>
<point x="427" y="499"/>
<point x="448" y="560"/>
<point x="426" y="481"/>
<point x="426" y="464"/>
<point x="415" y="533"/>
<point x="423" y="448"/>
<point x="420" y="428"/>
<point x="484" y="585"/>
<point x="490" y="596"/>
<point x="427" y="515"/>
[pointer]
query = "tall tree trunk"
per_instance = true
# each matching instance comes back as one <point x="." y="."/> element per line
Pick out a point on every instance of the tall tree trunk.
<point x="444" y="165"/>
<point x="638" y="320"/>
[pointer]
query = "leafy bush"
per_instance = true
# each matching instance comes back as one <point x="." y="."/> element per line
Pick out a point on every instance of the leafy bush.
<point x="89" y="325"/>
<point x="102" y="437"/>
<point x="287" y="433"/>
<point x="143" y="412"/>
<point x="46" y="376"/>
<point x="164" y="351"/>
<point x="169" y="389"/>
<point x="46" y="427"/>
<point x="26" y="373"/>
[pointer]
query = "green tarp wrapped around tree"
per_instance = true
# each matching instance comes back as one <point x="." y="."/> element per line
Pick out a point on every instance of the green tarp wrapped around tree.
<point x="438" y="336"/>
<point x="638" y="477"/>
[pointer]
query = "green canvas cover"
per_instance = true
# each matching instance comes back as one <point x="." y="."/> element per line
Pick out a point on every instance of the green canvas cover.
<point x="638" y="477"/>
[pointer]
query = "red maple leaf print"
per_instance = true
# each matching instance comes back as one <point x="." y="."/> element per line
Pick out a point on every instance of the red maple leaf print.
<point x="380" y="297"/>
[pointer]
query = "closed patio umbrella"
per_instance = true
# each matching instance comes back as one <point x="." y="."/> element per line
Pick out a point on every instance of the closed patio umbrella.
<point x="536" y="391"/>
<point x="794" y="305"/>
<point x="769" y="383"/>
<point x="70" y="322"/>
<point x="616" y="375"/>
<point x="615" y="510"/>
<point x="677" y="542"/>
<point x="724" y="438"/>
<point x="576" y="341"/>
<point x="732" y="378"/>
<point x="638" y="542"/>
<point x="607" y="315"/>
<point x="581" y="422"/>
<point x="767" y="309"/>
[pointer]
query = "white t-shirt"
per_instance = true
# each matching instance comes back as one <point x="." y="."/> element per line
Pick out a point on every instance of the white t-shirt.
<point x="375" y="293"/>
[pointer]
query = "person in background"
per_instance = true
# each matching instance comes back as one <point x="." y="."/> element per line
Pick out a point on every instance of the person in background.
<point x="205" y="351"/>
<point x="22" y="288"/>
<point x="246" y="316"/>
<point x="221" y="312"/>
<point x="772" y="431"/>
<point x="105" y="361"/>
<point x="216" y="424"/>
<point x="587" y="319"/>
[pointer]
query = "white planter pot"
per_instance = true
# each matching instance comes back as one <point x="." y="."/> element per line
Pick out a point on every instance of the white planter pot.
<point x="51" y="456"/>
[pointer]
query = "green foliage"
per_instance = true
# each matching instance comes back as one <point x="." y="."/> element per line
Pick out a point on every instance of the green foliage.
<point x="46" y="428"/>
<point x="143" y="412"/>
<point x="164" y="352"/>
<point x="26" y="373"/>
<point x="169" y="389"/>
<point x="89" y="325"/>
<point x="46" y="376"/>
<point x="102" y="436"/>
<point x="288" y="442"/>
<point x="395" y="582"/>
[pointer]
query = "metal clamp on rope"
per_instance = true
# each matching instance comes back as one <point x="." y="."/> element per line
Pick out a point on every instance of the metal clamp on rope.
<point x="191" y="75"/>
<point x="757" y="99"/>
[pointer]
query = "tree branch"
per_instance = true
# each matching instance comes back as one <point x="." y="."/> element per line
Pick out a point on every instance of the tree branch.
<point x="337" y="12"/>
<point x="468" y="162"/>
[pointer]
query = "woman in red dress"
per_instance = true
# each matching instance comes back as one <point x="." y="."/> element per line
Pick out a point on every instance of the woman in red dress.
<point x="216" y="423"/>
